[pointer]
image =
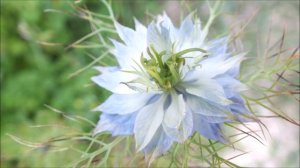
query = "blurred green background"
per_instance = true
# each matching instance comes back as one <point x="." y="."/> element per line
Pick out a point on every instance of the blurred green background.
<point x="34" y="74"/>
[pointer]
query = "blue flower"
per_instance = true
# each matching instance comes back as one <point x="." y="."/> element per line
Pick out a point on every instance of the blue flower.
<point x="170" y="83"/>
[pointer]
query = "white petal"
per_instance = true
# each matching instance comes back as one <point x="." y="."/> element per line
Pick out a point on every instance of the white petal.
<point x="112" y="81"/>
<point x="141" y="30"/>
<point x="140" y="36"/>
<point x="127" y="57"/>
<point x="106" y="69"/>
<point x="148" y="121"/>
<point x="175" y="112"/>
<point x="125" y="34"/>
<point x="124" y="103"/>
<point x="135" y="39"/>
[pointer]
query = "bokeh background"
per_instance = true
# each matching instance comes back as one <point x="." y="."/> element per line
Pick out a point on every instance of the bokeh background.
<point x="35" y="74"/>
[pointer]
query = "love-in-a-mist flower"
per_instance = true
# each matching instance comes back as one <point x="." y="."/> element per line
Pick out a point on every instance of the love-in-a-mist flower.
<point x="170" y="83"/>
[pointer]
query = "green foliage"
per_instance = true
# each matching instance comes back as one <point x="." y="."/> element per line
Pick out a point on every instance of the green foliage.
<point x="34" y="74"/>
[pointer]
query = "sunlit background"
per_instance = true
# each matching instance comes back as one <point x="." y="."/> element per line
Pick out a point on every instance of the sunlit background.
<point x="36" y="66"/>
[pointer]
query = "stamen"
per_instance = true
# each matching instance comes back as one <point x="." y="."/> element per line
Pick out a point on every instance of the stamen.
<point x="165" y="73"/>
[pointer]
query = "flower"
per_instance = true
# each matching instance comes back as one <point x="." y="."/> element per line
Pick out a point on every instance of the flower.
<point x="169" y="84"/>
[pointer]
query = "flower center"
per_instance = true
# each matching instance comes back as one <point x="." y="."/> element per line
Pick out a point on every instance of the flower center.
<point x="164" y="67"/>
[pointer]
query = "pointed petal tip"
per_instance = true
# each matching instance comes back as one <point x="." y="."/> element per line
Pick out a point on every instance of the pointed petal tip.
<point x="96" y="131"/>
<point x="137" y="23"/>
<point x="142" y="146"/>
<point x="117" y="24"/>
<point x="94" y="79"/>
<point x="97" y="109"/>
<point x="138" y="147"/>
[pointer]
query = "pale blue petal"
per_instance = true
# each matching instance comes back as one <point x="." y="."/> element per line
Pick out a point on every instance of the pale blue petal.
<point x="218" y="48"/>
<point x="239" y="108"/>
<point x="214" y="66"/>
<point x="159" y="144"/>
<point x="206" y="108"/>
<point x="187" y="124"/>
<point x="185" y="129"/>
<point x="116" y="124"/>
<point x="124" y="103"/>
<point x="148" y="121"/>
<point x="214" y="119"/>
<point x="236" y="115"/>
<point x="232" y="88"/>
<point x="206" y="88"/>
<point x="230" y="83"/>
<point x="187" y="26"/>
<point x="186" y="29"/>
<point x="236" y="97"/>
<point x="208" y="130"/>
<point x="215" y="113"/>
<point x="175" y="113"/>
<point x="234" y="71"/>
